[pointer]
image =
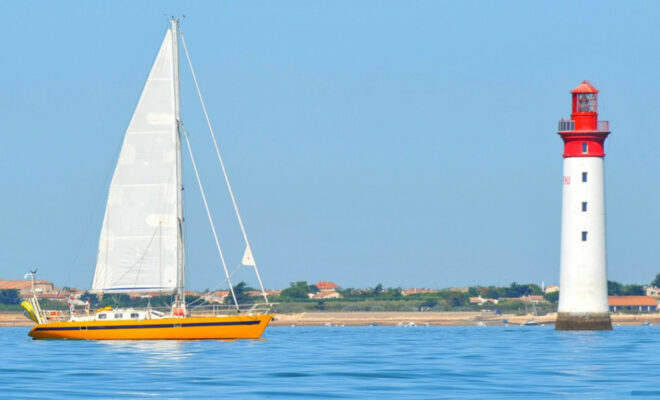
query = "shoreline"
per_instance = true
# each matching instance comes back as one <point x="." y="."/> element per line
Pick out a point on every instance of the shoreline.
<point x="431" y="318"/>
<point x="447" y="318"/>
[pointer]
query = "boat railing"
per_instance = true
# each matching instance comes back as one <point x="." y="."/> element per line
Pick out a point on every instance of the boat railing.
<point x="55" y="315"/>
<point x="226" y="309"/>
<point x="202" y="310"/>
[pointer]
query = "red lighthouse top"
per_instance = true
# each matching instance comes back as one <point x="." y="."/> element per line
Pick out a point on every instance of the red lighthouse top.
<point x="583" y="134"/>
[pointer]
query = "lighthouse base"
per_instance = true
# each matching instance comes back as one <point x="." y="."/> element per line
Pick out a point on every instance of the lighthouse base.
<point x="583" y="322"/>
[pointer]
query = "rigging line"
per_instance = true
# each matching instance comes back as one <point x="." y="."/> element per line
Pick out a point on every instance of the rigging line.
<point x="222" y="165"/>
<point x="90" y="220"/>
<point x="220" y="283"/>
<point x="82" y="242"/>
<point x="208" y="213"/>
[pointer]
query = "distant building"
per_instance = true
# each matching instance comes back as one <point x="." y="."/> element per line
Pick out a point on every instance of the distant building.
<point x="652" y="291"/>
<point x="533" y="299"/>
<point x="24" y="287"/>
<point x="411" y="291"/>
<point x="481" y="301"/>
<point x="269" y="292"/>
<point x="551" y="288"/>
<point x="633" y="303"/>
<point x="217" y="297"/>
<point x="324" y="295"/>
<point x="526" y="299"/>
<point x="326" y="286"/>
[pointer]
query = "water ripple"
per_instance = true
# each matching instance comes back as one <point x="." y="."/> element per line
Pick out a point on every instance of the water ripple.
<point x="351" y="362"/>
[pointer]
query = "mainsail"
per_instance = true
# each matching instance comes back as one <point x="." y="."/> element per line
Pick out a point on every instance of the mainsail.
<point x="140" y="247"/>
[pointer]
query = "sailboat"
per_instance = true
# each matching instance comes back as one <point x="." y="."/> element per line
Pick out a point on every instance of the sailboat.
<point x="532" y="321"/>
<point x="141" y="245"/>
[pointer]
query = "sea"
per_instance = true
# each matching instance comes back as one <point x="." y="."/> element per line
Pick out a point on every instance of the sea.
<point x="371" y="362"/>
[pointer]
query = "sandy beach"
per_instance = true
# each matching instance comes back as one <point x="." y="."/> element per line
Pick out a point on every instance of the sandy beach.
<point x="14" y="319"/>
<point x="436" y="318"/>
<point x="396" y="318"/>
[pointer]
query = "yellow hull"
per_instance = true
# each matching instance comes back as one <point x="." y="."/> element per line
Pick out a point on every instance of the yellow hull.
<point x="229" y="327"/>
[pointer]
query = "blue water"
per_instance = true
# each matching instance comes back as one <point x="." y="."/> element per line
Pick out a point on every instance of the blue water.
<point x="346" y="362"/>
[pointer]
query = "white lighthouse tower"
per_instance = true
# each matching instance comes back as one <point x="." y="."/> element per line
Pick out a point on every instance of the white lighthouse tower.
<point x="583" y="278"/>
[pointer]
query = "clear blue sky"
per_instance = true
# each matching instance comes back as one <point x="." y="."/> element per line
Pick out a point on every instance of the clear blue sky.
<point x="411" y="143"/>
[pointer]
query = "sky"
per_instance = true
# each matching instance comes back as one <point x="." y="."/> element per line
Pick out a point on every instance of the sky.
<point x="408" y="143"/>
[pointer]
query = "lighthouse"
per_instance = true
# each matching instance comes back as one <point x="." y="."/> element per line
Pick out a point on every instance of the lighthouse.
<point x="583" y="301"/>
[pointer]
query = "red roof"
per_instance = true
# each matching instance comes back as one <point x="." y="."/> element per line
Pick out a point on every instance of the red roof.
<point x="21" y="284"/>
<point x="585" y="87"/>
<point x="621" y="301"/>
<point x="326" y="285"/>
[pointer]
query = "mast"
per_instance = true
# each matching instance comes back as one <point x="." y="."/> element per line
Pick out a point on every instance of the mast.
<point x="181" y="294"/>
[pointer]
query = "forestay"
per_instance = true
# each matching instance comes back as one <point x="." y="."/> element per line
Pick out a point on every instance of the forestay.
<point x="140" y="240"/>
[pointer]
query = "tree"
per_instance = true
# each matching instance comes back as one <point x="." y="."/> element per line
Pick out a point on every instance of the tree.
<point x="240" y="290"/>
<point x="93" y="299"/>
<point x="614" y="288"/>
<point x="394" y="293"/>
<point x="349" y="293"/>
<point x="116" y="300"/>
<point x="552" y="297"/>
<point x="430" y="303"/>
<point x="535" y="289"/>
<point x="378" y="290"/>
<point x="516" y="290"/>
<point x="297" y="290"/>
<point x="455" y="300"/>
<point x="656" y="282"/>
<point x="617" y="289"/>
<point x="9" y="296"/>
<point x="492" y="293"/>
<point x="633" y="290"/>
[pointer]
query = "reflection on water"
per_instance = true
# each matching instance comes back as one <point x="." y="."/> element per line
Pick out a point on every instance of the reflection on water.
<point x="153" y="350"/>
<point x="342" y="362"/>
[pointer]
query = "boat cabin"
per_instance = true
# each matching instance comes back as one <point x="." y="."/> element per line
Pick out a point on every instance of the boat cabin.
<point x="116" y="315"/>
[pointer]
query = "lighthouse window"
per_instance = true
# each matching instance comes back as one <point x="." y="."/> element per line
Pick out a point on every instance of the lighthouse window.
<point x="584" y="236"/>
<point x="586" y="102"/>
<point x="584" y="206"/>
<point x="584" y="177"/>
<point x="585" y="147"/>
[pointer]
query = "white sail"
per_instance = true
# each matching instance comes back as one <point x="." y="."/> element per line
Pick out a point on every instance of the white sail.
<point x="140" y="242"/>
<point x="248" y="258"/>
